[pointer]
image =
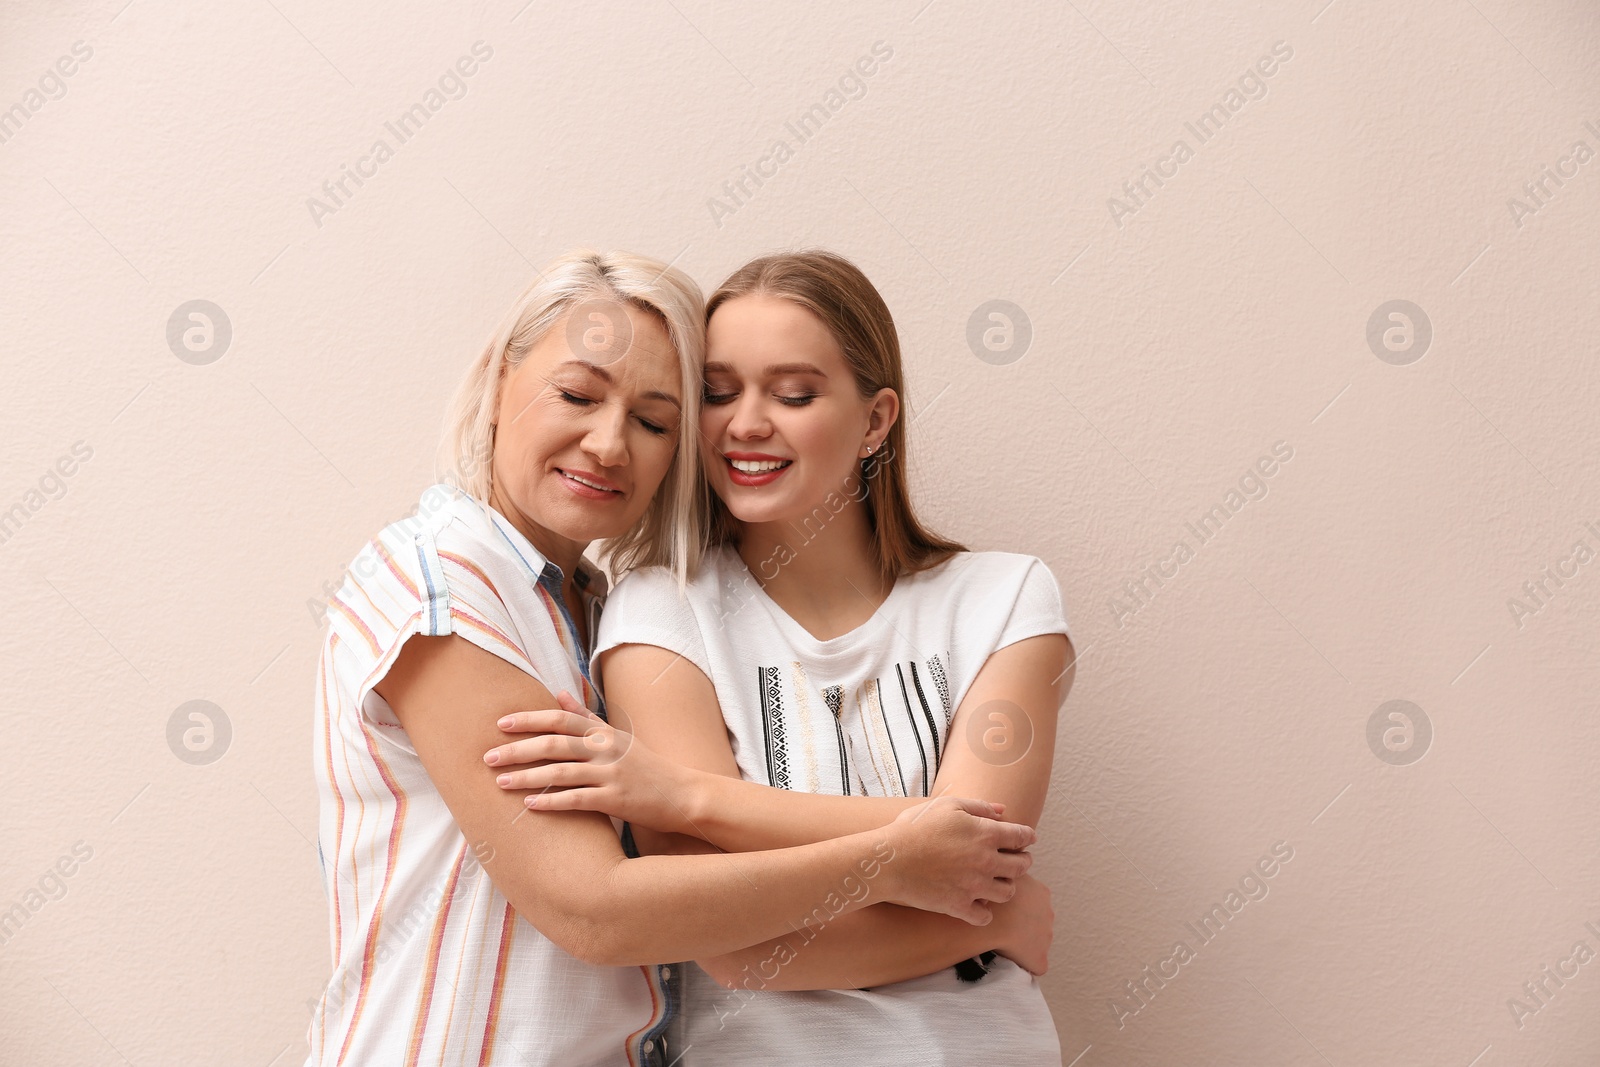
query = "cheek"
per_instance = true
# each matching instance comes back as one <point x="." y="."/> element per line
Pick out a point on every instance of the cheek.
<point x="714" y="420"/>
<point x="820" y="435"/>
<point x="525" y="445"/>
<point x="651" y="461"/>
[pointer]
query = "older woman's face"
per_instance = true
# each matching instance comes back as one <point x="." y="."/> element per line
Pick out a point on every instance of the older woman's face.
<point x="588" y="424"/>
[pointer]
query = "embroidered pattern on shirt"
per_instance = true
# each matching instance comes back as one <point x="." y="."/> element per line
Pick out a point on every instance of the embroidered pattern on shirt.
<point x="936" y="668"/>
<point x="885" y="759"/>
<point x="922" y="699"/>
<point x="772" y="726"/>
<point x="801" y="684"/>
<point x="916" y="730"/>
<point x="833" y="696"/>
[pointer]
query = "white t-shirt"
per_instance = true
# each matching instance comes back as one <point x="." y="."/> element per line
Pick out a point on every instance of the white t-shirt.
<point x="864" y="714"/>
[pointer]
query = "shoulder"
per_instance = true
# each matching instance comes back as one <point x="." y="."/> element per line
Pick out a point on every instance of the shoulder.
<point x="647" y="586"/>
<point x="985" y="573"/>
<point x="643" y="583"/>
<point x="647" y="606"/>
<point x="1009" y="592"/>
<point x="445" y="555"/>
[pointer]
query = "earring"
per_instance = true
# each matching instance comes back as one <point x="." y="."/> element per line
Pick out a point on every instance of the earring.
<point x="869" y="449"/>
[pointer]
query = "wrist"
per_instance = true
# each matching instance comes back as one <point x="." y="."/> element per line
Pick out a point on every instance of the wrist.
<point x="1001" y="931"/>
<point x="886" y="863"/>
<point x="698" y="801"/>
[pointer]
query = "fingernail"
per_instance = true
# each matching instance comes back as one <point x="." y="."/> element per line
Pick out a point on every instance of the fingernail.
<point x="504" y="779"/>
<point x="532" y="801"/>
<point x="491" y="757"/>
<point x="505" y="723"/>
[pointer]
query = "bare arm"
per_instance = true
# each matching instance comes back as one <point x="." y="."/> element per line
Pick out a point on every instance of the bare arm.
<point x="1001" y="745"/>
<point x="675" y="712"/>
<point x="566" y="874"/>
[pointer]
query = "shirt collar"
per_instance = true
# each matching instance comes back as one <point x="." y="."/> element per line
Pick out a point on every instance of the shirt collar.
<point x="590" y="581"/>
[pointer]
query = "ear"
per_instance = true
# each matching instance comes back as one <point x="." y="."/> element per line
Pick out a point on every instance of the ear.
<point x="881" y="418"/>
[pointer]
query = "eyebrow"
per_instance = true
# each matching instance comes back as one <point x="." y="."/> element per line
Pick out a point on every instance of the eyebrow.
<point x="605" y="376"/>
<point x="772" y="370"/>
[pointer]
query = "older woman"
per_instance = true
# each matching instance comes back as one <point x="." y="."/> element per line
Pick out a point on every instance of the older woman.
<point x="465" y="929"/>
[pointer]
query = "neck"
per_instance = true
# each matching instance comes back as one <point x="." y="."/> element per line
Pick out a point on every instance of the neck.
<point x="562" y="551"/>
<point x="800" y="564"/>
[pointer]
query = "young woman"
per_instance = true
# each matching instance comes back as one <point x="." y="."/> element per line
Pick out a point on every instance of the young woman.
<point x="830" y="664"/>
<point x="462" y="931"/>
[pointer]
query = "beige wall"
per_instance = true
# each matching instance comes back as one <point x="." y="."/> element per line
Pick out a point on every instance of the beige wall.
<point x="1172" y="347"/>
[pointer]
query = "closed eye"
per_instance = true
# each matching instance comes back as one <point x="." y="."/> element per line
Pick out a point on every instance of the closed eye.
<point x="652" y="427"/>
<point x="574" y="398"/>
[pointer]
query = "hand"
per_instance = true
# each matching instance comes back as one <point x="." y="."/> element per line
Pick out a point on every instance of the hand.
<point x="578" y="762"/>
<point x="953" y="855"/>
<point x="1025" y="925"/>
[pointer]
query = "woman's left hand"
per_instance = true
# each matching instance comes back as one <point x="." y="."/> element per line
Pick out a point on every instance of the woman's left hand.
<point x="576" y="761"/>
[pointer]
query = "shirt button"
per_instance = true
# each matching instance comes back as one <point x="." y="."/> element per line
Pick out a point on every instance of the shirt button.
<point x="666" y="973"/>
<point x="649" y="1046"/>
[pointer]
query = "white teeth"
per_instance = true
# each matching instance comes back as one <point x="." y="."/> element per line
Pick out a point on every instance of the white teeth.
<point x="575" y="478"/>
<point x="756" y="466"/>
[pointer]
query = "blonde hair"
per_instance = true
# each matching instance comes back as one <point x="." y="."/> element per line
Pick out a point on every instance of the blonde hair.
<point x="836" y="292"/>
<point x="670" y="532"/>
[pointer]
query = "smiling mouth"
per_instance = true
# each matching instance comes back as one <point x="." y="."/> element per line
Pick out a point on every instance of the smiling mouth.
<point x="759" y="466"/>
<point x="586" y="482"/>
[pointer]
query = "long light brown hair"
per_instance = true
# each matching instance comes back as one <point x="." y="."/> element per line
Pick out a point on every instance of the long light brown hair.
<point x="840" y="296"/>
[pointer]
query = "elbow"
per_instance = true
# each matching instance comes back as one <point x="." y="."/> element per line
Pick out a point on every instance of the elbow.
<point x="723" y="970"/>
<point x="767" y="967"/>
<point x="607" y="934"/>
<point x="589" y="923"/>
<point x="583" y="927"/>
<point x="599" y="944"/>
<point x="585" y="934"/>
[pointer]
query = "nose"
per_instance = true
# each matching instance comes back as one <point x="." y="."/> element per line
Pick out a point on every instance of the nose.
<point x="607" y="439"/>
<point x="749" y="421"/>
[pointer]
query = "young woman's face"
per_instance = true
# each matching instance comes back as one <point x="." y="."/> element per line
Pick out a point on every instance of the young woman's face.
<point x="585" y="432"/>
<point x="782" y="424"/>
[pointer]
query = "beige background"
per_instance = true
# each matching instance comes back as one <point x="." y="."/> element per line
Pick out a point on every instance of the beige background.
<point x="1228" y="712"/>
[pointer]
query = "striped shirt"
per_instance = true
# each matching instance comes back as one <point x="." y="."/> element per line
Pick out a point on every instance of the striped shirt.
<point x="431" y="965"/>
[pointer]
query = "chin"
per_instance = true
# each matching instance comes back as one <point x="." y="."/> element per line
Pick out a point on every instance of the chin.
<point x="762" y="511"/>
<point x="570" y="519"/>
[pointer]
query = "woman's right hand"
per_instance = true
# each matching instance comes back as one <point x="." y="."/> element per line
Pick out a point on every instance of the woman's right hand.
<point x="954" y="856"/>
<point x="1025" y="925"/>
<point x="576" y="761"/>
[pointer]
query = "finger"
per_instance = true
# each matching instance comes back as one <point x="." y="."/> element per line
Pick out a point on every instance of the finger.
<point x="1010" y="865"/>
<point x="1011" y="836"/>
<point x="545" y="721"/>
<point x="522" y="779"/>
<point x="545" y="747"/>
<point x="975" y="912"/>
<point x="994" y="890"/>
<point x="581" y="799"/>
<point x="572" y="704"/>
<point x="999" y="890"/>
<point x="981" y="808"/>
<point x="540" y="749"/>
<point x="551" y="775"/>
